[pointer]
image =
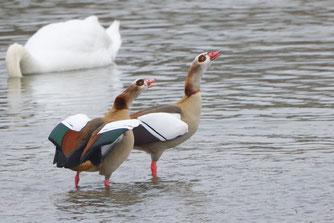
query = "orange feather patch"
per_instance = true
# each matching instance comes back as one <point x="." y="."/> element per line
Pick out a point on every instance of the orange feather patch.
<point x="70" y="142"/>
<point x="90" y="143"/>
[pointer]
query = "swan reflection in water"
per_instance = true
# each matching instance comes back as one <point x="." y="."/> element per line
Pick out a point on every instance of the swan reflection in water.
<point x="51" y="95"/>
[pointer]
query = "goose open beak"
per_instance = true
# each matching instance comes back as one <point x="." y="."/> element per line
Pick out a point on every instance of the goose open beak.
<point x="213" y="55"/>
<point x="149" y="82"/>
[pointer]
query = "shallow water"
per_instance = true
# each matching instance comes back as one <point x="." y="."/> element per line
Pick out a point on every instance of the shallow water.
<point x="264" y="148"/>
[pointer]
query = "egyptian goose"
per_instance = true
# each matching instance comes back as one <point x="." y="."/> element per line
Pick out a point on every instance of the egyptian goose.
<point x="100" y="144"/>
<point x="182" y="117"/>
<point x="71" y="45"/>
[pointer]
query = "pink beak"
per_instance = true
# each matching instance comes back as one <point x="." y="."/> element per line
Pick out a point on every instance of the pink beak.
<point x="213" y="55"/>
<point x="149" y="82"/>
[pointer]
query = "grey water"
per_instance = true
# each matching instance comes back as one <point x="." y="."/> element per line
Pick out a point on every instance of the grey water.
<point x="264" y="148"/>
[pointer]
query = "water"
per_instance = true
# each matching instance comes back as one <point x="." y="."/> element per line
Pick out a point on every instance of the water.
<point x="264" y="149"/>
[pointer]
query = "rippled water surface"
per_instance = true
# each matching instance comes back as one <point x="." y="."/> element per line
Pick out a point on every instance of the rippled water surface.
<point x="264" y="148"/>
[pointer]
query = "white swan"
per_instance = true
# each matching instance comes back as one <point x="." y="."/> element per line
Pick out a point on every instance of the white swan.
<point x="70" y="45"/>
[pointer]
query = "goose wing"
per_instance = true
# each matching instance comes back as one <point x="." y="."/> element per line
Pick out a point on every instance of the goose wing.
<point x="70" y="137"/>
<point x="159" y="126"/>
<point x="105" y="140"/>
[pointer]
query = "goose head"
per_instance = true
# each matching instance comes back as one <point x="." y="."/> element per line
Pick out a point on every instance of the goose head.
<point x="124" y="100"/>
<point x="203" y="61"/>
<point x="200" y="64"/>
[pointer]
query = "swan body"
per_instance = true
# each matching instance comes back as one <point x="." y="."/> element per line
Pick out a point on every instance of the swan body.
<point x="70" y="45"/>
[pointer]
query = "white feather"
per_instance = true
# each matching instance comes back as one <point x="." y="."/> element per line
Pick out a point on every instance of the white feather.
<point x="76" y="122"/>
<point x="127" y="124"/>
<point x="168" y="125"/>
<point x="70" y="45"/>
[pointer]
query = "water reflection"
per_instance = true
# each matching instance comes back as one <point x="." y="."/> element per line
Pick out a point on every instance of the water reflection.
<point x="14" y="86"/>
<point x="120" y="197"/>
<point x="72" y="82"/>
<point x="117" y="195"/>
<point x="43" y="93"/>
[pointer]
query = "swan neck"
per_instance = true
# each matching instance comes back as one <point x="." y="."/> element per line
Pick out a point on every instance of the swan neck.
<point x="14" y="56"/>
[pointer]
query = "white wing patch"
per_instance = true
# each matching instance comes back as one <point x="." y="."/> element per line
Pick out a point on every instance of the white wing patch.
<point x="76" y="122"/>
<point x="164" y="126"/>
<point x="127" y="124"/>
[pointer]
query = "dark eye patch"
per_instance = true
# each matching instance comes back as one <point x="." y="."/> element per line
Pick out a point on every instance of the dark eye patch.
<point x="140" y="82"/>
<point x="201" y="58"/>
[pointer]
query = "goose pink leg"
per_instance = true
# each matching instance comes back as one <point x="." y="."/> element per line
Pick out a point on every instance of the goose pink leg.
<point x="76" y="179"/>
<point x="154" y="169"/>
<point x="106" y="183"/>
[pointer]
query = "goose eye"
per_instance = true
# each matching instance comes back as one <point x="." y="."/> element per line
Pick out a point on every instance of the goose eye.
<point x="201" y="58"/>
<point x="140" y="82"/>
